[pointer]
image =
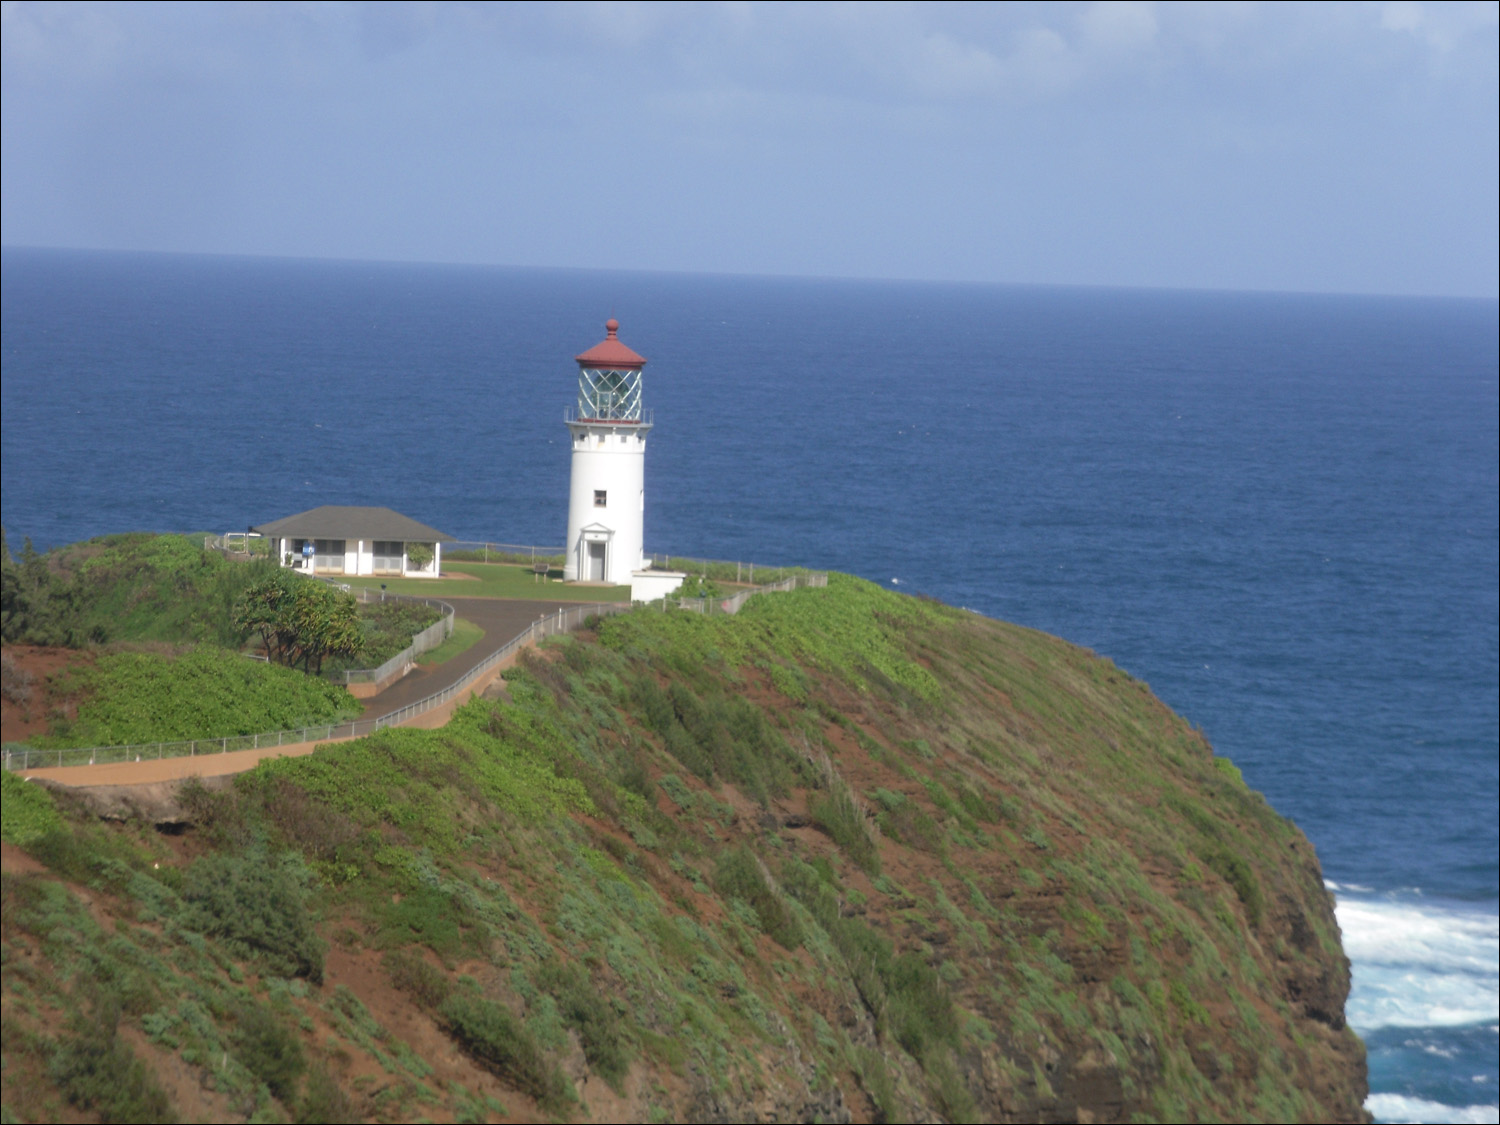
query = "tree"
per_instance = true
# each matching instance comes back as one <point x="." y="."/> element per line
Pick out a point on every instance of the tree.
<point x="419" y="555"/>
<point x="264" y="608"/>
<point x="300" y="621"/>
<point x="36" y="606"/>
<point x="326" y="623"/>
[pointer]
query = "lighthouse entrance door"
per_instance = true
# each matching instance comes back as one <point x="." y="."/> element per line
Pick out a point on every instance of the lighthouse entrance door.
<point x="596" y="562"/>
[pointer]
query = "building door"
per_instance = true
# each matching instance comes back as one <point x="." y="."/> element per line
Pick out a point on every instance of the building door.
<point x="596" y="562"/>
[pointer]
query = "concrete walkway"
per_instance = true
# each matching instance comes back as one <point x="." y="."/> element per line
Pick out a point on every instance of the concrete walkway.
<point x="501" y="619"/>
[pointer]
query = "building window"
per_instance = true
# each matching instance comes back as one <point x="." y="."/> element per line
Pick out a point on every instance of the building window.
<point x="387" y="556"/>
<point x="601" y="498"/>
<point x="330" y="556"/>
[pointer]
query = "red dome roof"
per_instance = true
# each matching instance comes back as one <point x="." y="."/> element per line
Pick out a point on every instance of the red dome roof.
<point x="609" y="352"/>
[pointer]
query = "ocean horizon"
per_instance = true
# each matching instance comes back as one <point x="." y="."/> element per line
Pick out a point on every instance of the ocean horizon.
<point x="1279" y="510"/>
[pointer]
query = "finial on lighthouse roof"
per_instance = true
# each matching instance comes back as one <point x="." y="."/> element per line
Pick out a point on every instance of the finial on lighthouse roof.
<point x="610" y="352"/>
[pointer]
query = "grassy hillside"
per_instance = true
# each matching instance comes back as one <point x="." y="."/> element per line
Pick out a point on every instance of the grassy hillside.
<point x="152" y="619"/>
<point x="144" y="588"/>
<point x="136" y="587"/>
<point x="845" y="855"/>
<point x="128" y="698"/>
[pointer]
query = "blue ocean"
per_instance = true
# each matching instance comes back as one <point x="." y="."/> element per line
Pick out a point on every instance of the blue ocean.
<point x="1279" y="510"/>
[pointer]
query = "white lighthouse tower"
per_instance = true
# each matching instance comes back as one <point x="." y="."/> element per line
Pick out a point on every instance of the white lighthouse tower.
<point x="607" y="498"/>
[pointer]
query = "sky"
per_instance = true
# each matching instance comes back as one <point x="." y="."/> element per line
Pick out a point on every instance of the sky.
<point x="1295" y="147"/>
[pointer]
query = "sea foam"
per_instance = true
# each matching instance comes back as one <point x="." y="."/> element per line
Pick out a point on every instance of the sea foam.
<point x="1417" y="964"/>
<point x="1398" y="1107"/>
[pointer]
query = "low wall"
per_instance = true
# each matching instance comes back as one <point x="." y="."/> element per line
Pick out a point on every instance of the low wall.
<point x="650" y="585"/>
<point x="366" y="682"/>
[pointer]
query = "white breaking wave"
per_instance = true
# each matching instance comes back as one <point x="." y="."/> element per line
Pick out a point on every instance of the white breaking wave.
<point x="1420" y="965"/>
<point x="1397" y="1107"/>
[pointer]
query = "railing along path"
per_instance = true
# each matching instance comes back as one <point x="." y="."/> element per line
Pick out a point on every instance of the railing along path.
<point x="429" y="638"/>
<point x="563" y="621"/>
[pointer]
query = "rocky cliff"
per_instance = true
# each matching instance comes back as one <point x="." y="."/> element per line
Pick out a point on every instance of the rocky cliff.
<point x="845" y="856"/>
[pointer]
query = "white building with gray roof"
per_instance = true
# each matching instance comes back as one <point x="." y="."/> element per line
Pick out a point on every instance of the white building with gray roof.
<point x="334" y="540"/>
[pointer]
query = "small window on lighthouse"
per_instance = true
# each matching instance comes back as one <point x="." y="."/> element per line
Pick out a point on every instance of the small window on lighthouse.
<point x="601" y="498"/>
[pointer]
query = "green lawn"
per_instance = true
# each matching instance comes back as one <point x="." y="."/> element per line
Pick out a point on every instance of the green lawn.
<point x="495" y="580"/>
<point x="465" y="636"/>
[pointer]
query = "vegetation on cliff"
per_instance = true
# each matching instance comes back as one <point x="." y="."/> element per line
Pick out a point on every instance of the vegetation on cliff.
<point x="127" y="698"/>
<point x="167" y="589"/>
<point x="159" y="624"/>
<point x="844" y="855"/>
<point x="134" y="587"/>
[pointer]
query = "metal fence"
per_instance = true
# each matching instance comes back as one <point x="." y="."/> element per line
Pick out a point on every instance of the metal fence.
<point x="733" y="603"/>
<point x="563" y="621"/>
<point x="721" y="570"/>
<point x="560" y="622"/>
<point x="238" y="544"/>
<point x="28" y="759"/>
<point x="474" y="550"/>
<point x="429" y="638"/>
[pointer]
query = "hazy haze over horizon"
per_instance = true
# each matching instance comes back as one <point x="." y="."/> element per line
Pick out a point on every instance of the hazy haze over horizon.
<point x="1319" y="147"/>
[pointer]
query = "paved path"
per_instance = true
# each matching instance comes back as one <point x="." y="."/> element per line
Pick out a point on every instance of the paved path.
<point x="501" y="619"/>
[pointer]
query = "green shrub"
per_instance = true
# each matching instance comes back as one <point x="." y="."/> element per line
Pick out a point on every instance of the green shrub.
<point x="498" y="1041"/>
<point x="904" y="820"/>
<point x="388" y="627"/>
<point x="584" y="1008"/>
<point x="324" y="1101"/>
<point x="837" y="812"/>
<point x="738" y="874"/>
<point x="136" y="697"/>
<point x="812" y="886"/>
<point x="428" y="915"/>
<point x="26" y="810"/>
<point x="1239" y="875"/>
<point x="258" y="907"/>
<point x="75" y="855"/>
<point x="97" y="1072"/>
<point x="426" y="985"/>
<point x="949" y="1091"/>
<point x="870" y="1067"/>
<point x="696" y="586"/>
<point x="269" y="1050"/>
<point x="919" y="1007"/>
<point x="134" y="587"/>
<point x="975" y="804"/>
<point x="630" y="774"/>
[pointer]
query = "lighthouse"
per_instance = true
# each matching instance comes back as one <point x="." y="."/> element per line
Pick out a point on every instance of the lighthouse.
<point x="607" y="496"/>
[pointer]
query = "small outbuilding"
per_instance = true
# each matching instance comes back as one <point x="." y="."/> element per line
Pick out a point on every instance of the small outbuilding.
<point x="335" y="540"/>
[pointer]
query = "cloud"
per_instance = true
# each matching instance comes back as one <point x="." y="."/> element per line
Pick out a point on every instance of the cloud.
<point x="74" y="39"/>
<point x="944" y="67"/>
<point x="1114" y="28"/>
<point x="627" y="24"/>
<point x="1039" y="60"/>
<point x="1443" y="27"/>
<point x="934" y="52"/>
<point x="434" y="129"/>
<point x="942" y="52"/>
